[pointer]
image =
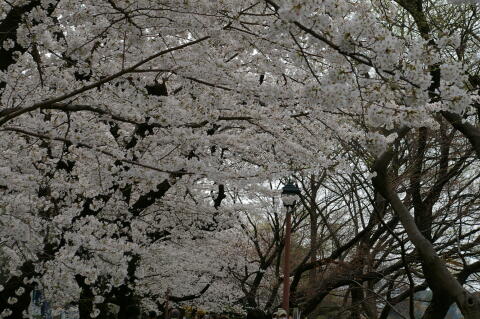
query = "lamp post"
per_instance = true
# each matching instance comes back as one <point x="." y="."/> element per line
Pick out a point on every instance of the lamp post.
<point x="290" y="197"/>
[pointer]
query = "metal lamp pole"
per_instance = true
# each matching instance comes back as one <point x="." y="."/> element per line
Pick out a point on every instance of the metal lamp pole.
<point x="290" y="196"/>
<point x="286" y="262"/>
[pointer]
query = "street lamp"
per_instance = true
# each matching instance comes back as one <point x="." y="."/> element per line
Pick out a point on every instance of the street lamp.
<point x="290" y="197"/>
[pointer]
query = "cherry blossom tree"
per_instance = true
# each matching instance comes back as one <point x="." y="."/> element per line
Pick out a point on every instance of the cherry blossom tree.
<point x="125" y="124"/>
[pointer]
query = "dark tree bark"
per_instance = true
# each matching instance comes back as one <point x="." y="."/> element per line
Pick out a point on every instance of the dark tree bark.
<point x="356" y="293"/>
<point x="85" y="302"/>
<point x="439" y="279"/>
<point x="11" y="287"/>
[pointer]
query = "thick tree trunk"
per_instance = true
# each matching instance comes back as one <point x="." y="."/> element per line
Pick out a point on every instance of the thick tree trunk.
<point x="356" y="293"/>
<point x="314" y="249"/>
<point x="125" y="299"/>
<point x="438" y="307"/>
<point x="423" y="216"/>
<point x="369" y="303"/>
<point x="440" y="280"/>
<point x="85" y="303"/>
<point x="11" y="288"/>
<point x="256" y="314"/>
